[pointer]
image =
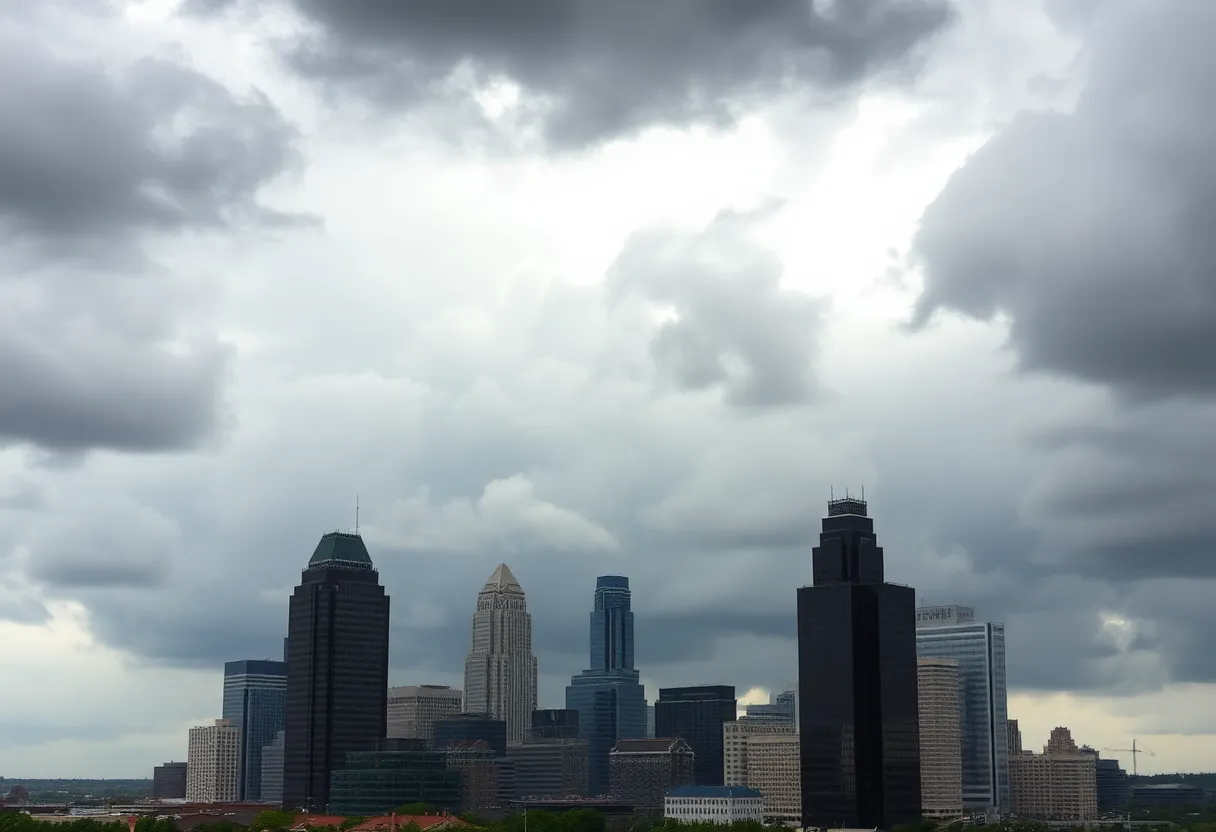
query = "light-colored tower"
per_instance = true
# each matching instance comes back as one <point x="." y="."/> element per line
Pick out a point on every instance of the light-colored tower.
<point x="412" y="710"/>
<point x="500" y="671"/>
<point x="212" y="770"/>
<point x="939" y="697"/>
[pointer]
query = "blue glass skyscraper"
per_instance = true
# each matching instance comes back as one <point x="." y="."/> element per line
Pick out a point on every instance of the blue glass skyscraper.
<point x="608" y="695"/>
<point x="255" y="701"/>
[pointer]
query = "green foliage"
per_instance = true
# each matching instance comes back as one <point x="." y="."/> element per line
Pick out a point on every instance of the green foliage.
<point x="272" y="820"/>
<point x="417" y="809"/>
<point x="350" y="823"/>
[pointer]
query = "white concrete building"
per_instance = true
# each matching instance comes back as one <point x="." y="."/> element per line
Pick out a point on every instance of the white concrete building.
<point x="412" y="710"/>
<point x="713" y="804"/>
<point x="735" y="738"/>
<point x="212" y="763"/>
<point x="774" y="768"/>
<point x="500" y="670"/>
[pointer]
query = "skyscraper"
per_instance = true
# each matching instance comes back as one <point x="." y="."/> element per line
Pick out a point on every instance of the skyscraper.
<point x="212" y="763"/>
<point x="608" y="696"/>
<point x="500" y="670"/>
<point x="697" y="715"/>
<point x="856" y="682"/>
<point x="939" y="688"/>
<point x="254" y="695"/>
<point x="337" y="667"/>
<point x="951" y="632"/>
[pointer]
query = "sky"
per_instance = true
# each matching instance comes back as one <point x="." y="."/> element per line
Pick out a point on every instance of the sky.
<point x="590" y="289"/>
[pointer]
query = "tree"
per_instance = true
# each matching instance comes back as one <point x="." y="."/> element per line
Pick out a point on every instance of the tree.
<point x="271" y="820"/>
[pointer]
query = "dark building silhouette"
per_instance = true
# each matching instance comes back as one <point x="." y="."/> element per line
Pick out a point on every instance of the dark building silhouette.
<point x="254" y="696"/>
<point x="461" y="728"/>
<point x="549" y="768"/>
<point x="554" y="724"/>
<point x="372" y="783"/>
<point x="1167" y="794"/>
<point x="1112" y="786"/>
<point x="608" y="696"/>
<point x="857" y="682"/>
<point x="169" y="782"/>
<point x="696" y="714"/>
<point x="337" y="668"/>
<point x="642" y="771"/>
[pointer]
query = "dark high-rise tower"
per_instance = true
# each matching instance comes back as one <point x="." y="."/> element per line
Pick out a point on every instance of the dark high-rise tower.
<point x="857" y="682"/>
<point x="696" y="715"/>
<point x="337" y="668"/>
<point x="608" y="696"/>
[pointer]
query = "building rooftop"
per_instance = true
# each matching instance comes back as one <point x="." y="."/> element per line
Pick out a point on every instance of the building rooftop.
<point x="847" y="505"/>
<point x="502" y="581"/>
<point x="713" y="791"/>
<point x="660" y="745"/>
<point x="341" y="549"/>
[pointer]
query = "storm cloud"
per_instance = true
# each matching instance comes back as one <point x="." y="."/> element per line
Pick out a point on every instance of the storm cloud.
<point x="591" y="71"/>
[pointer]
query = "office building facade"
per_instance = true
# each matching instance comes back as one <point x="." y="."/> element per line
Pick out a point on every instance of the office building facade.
<point x="951" y="632"/>
<point x="736" y="740"/>
<point x="773" y="769"/>
<point x="713" y="804"/>
<point x="1059" y="785"/>
<point x="213" y="763"/>
<point x="500" y="670"/>
<point x="337" y="668"/>
<point x="608" y="695"/>
<point x="696" y="715"/>
<point x="272" y="771"/>
<point x="857" y="695"/>
<point x="939" y="688"/>
<point x="641" y="772"/>
<point x="554" y="724"/>
<point x="782" y="708"/>
<point x="169" y="781"/>
<point x="549" y="768"/>
<point x="255" y="695"/>
<point x="462" y="728"/>
<point x="413" y="710"/>
<point x="374" y="783"/>
<point x="1114" y="790"/>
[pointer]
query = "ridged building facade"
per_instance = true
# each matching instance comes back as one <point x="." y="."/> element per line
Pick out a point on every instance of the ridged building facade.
<point x="500" y="670"/>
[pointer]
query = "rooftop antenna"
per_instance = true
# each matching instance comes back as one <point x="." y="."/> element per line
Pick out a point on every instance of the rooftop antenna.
<point x="356" y="513"/>
<point x="863" y="493"/>
<point x="831" y="492"/>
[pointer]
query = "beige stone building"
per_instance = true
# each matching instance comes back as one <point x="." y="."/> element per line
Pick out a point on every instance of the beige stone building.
<point x="413" y="710"/>
<point x="735" y="739"/>
<point x="774" y="770"/>
<point x="212" y="772"/>
<point x="1059" y="784"/>
<point x="940" y="705"/>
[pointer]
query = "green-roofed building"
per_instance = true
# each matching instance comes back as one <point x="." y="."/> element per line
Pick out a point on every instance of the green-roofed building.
<point x="337" y="668"/>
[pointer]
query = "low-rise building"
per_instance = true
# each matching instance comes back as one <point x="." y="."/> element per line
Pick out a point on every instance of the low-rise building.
<point x="642" y="772"/>
<point x="376" y="782"/>
<point x="713" y="804"/>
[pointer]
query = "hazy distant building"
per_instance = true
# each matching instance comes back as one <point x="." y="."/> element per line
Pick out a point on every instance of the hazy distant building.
<point x="736" y="739"/>
<point x="337" y="668"/>
<point x="696" y="714"/>
<point x="773" y="769"/>
<point x="272" y="770"/>
<point x="169" y="781"/>
<point x="951" y="632"/>
<point x="1167" y="794"/>
<point x="782" y="708"/>
<point x="212" y="763"/>
<point x="857" y="682"/>
<point x="470" y="728"/>
<point x="1059" y="784"/>
<point x="642" y="771"/>
<point x="608" y="695"/>
<point x="500" y="670"/>
<point x="255" y="695"/>
<point x="412" y="710"/>
<point x="939" y="688"/>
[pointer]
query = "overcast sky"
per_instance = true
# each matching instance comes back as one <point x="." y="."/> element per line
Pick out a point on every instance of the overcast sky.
<point x="602" y="288"/>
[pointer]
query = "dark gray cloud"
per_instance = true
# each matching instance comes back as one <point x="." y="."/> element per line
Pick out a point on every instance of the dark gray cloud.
<point x="1090" y="231"/>
<point x="98" y="345"/>
<point x="594" y="71"/>
<point x="103" y="546"/>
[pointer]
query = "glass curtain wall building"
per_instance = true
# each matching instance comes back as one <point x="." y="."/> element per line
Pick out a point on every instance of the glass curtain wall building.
<point x="951" y="632"/>
<point x="255" y="693"/>
<point x="608" y="696"/>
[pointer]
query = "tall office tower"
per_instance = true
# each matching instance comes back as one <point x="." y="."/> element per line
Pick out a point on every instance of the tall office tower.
<point x="737" y="738"/>
<point x="856" y="682"/>
<point x="500" y="670"/>
<point x="212" y="763"/>
<point x="337" y="668"/>
<point x="413" y="710"/>
<point x="696" y="715"/>
<point x="608" y="696"/>
<point x="255" y="693"/>
<point x="951" y="632"/>
<point x="939" y="688"/>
